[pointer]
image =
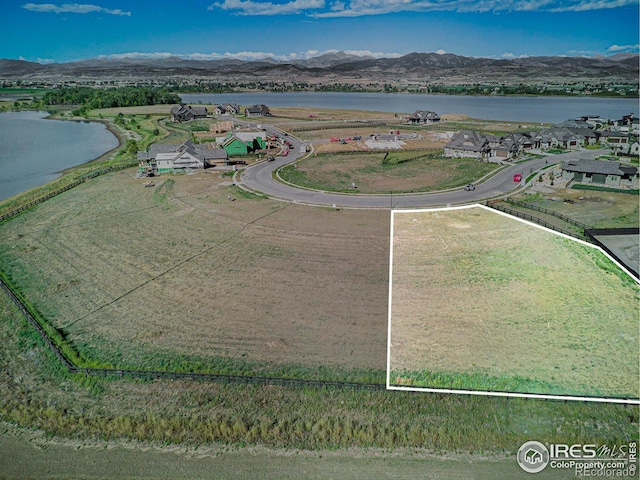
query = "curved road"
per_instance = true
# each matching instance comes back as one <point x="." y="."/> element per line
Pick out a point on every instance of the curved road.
<point x="259" y="178"/>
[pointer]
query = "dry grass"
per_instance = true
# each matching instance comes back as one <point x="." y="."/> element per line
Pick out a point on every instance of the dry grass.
<point x="478" y="294"/>
<point x="594" y="208"/>
<point x="180" y="269"/>
<point x="399" y="173"/>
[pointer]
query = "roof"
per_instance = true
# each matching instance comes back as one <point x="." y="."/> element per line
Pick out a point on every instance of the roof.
<point x="614" y="134"/>
<point x="468" y="140"/>
<point x="424" y="115"/>
<point x="577" y="123"/>
<point x="183" y="109"/>
<point x="231" y="139"/>
<point x="249" y="136"/>
<point x="593" y="166"/>
<point x="164" y="151"/>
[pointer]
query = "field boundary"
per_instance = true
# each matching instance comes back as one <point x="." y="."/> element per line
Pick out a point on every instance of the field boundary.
<point x="531" y="218"/>
<point x="175" y="375"/>
<point x="548" y="212"/>
<point x="84" y="178"/>
<point x="520" y="218"/>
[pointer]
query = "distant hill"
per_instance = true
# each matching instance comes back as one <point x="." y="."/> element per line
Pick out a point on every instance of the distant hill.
<point x="338" y="66"/>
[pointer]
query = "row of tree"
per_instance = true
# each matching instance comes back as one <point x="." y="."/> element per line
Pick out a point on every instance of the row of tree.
<point x="110" y="97"/>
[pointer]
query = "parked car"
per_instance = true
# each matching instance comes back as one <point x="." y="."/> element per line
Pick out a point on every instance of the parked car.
<point x="270" y="159"/>
<point x="469" y="188"/>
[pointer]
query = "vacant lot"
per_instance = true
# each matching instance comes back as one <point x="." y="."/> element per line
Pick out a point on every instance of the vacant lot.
<point x="373" y="175"/>
<point x="509" y="307"/>
<point x="140" y="276"/>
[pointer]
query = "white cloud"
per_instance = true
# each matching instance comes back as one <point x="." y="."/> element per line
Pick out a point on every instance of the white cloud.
<point x="72" y="8"/>
<point x="440" y="52"/>
<point x="154" y="55"/>
<point x="249" y="7"/>
<point x="623" y="48"/>
<point x="248" y="56"/>
<point x="356" y="8"/>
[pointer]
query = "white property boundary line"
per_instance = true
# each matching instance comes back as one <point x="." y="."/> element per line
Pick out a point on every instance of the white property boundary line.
<point x="479" y="392"/>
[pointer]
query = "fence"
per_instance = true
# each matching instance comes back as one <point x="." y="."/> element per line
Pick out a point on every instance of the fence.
<point x="333" y="126"/>
<point x="531" y="218"/>
<point x="167" y="375"/>
<point x="74" y="184"/>
<point x="548" y="212"/>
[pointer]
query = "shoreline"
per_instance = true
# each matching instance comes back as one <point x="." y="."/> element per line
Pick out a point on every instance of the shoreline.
<point x="70" y="170"/>
<point x="104" y="156"/>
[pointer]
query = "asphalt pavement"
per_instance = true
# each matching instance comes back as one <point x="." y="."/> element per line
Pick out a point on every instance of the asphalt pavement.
<point x="259" y="178"/>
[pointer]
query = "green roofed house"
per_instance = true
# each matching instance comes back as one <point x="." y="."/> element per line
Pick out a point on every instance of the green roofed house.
<point x="235" y="147"/>
<point x="243" y="143"/>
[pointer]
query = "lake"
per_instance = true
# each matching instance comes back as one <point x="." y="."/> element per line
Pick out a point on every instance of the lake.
<point x="508" y="109"/>
<point x="33" y="149"/>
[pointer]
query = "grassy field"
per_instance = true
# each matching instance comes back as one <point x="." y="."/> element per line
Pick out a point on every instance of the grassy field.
<point x="487" y="303"/>
<point x="597" y="209"/>
<point x="372" y="173"/>
<point x="364" y="430"/>
<point x="179" y="275"/>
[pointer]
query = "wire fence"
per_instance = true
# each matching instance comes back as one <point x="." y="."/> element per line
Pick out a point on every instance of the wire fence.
<point x="539" y="221"/>
<point x="60" y="190"/>
<point x="548" y="212"/>
<point x="175" y="375"/>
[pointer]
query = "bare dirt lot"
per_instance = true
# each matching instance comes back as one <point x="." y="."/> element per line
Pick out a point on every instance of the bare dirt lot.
<point x="479" y="294"/>
<point x="130" y="273"/>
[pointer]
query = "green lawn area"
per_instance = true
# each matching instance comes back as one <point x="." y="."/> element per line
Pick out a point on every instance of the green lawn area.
<point x="373" y="173"/>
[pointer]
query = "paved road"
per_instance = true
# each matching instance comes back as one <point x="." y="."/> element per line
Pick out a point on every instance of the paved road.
<point x="259" y="178"/>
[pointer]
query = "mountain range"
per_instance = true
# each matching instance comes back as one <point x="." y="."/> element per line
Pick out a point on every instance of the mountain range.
<point x="338" y="67"/>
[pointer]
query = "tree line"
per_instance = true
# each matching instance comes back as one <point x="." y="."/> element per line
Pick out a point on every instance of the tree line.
<point x="92" y="98"/>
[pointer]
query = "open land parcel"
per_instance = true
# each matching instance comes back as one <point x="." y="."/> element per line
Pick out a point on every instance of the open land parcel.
<point x="135" y="260"/>
<point x="510" y="306"/>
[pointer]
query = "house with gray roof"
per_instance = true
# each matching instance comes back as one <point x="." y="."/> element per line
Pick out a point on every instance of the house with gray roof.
<point x="257" y="111"/>
<point x="467" y="144"/>
<point x="186" y="113"/>
<point x="600" y="172"/>
<point x="423" y="117"/>
<point x="231" y="108"/>
<point x="163" y="158"/>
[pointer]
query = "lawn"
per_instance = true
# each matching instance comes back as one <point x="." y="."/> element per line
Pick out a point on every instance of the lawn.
<point x="373" y="173"/>
<point x="484" y="302"/>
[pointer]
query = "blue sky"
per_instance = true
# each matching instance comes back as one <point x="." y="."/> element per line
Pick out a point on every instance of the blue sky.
<point x="289" y="29"/>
